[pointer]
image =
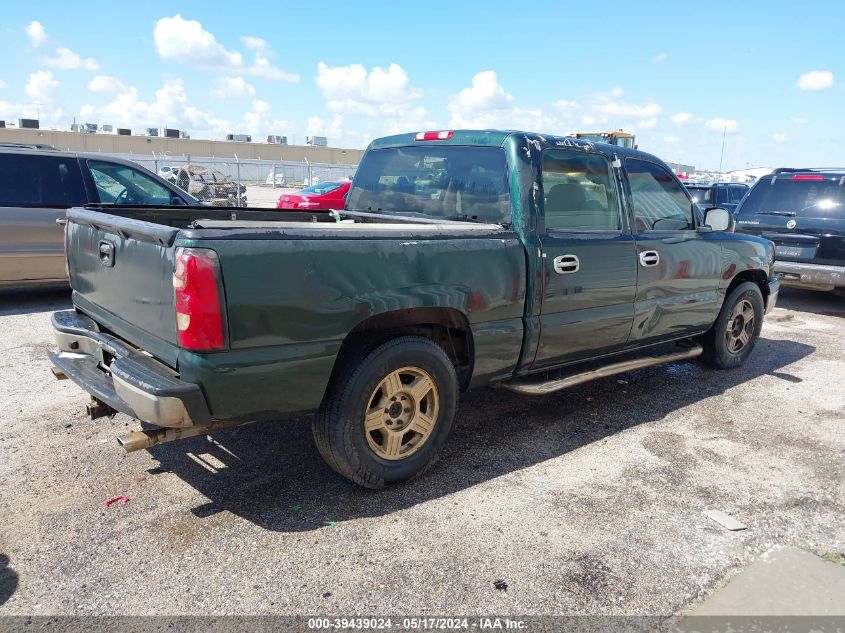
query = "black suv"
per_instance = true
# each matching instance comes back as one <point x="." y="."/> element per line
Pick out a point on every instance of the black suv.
<point x="720" y="194"/>
<point x="803" y="212"/>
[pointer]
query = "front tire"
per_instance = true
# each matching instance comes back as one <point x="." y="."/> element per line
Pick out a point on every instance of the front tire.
<point x="387" y="414"/>
<point x="737" y="328"/>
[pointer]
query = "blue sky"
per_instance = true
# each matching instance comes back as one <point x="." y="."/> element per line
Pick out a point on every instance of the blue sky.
<point x="771" y="73"/>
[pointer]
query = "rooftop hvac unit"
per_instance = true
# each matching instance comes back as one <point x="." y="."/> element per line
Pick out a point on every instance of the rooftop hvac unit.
<point x="29" y="124"/>
<point x="317" y="141"/>
<point x="124" y="131"/>
<point x="2" y="124"/>
<point x="105" y="129"/>
<point x="169" y="133"/>
<point x="243" y="138"/>
<point x="277" y="140"/>
<point x="152" y="131"/>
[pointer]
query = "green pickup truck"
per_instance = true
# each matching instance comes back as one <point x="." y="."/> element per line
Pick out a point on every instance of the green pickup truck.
<point x="463" y="259"/>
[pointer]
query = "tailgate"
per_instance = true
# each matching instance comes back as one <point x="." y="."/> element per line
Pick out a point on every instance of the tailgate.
<point x="121" y="272"/>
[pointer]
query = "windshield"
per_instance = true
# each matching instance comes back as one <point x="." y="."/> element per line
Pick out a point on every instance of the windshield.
<point x="446" y="182"/>
<point x="810" y="198"/>
<point x="322" y="188"/>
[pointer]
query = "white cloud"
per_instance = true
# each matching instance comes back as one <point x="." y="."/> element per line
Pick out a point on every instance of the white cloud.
<point x="609" y="105"/>
<point x="261" y="67"/>
<point x="128" y="109"/>
<point x="41" y="86"/>
<point x="565" y="106"/>
<point x="232" y="88"/>
<point x="681" y="117"/>
<point x="484" y="95"/>
<point x="646" y="124"/>
<point x="2" y="84"/>
<point x="719" y="124"/>
<point x="186" y="41"/>
<point x="816" y="80"/>
<point x="779" y="137"/>
<point x="486" y="104"/>
<point x="66" y="59"/>
<point x="36" y="33"/>
<point x="659" y="58"/>
<point x="255" y="43"/>
<point x="672" y="139"/>
<point x="103" y="83"/>
<point x="353" y="88"/>
<point x="799" y="120"/>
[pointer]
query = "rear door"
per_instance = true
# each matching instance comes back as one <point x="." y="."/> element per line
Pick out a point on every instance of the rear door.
<point x="802" y="213"/>
<point x="588" y="259"/>
<point x="679" y="268"/>
<point x="35" y="190"/>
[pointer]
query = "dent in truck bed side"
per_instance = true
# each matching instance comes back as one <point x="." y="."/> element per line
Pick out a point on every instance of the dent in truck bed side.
<point x="292" y="302"/>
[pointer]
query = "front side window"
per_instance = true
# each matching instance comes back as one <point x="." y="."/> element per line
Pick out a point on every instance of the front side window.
<point x="701" y="196"/>
<point x="40" y="181"/>
<point x="579" y="192"/>
<point x="121" y="184"/>
<point x="453" y="182"/>
<point x="659" y="202"/>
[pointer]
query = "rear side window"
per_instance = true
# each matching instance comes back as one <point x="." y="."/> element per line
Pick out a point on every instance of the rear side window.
<point x="454" y="182"/>
<point x="660" y="203"/>
<point x="579" y="192"/>
<point x="737" y="193"/>
<point x="40" y="181"/>
<point x="808" y="198"/>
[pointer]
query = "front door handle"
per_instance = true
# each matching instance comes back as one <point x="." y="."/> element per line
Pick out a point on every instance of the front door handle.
<point x="649" y="258"/>
<point x="567" y="264"/>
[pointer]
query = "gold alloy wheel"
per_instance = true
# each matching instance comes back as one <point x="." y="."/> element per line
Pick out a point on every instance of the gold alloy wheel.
<point x="740" y="326"/>
<point x="401" y="414"/>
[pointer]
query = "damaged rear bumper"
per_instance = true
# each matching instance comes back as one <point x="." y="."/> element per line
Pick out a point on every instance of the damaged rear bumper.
<point x="122" y="377"/>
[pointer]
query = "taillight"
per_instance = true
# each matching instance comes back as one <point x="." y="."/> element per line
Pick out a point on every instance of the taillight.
<point x="808" y="177"/>
<point x="443" y="135"/>
<point x="198" y="298"/>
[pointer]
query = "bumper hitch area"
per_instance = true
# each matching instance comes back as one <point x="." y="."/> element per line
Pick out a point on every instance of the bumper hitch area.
<point x="98" y="409"/>
<point x="121" y="378"/>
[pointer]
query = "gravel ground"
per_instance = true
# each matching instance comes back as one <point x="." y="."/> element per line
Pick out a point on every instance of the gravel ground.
<point x="588" y="501"/>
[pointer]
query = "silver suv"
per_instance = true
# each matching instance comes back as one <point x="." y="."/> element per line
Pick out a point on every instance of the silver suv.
<point x="39" y="183"/>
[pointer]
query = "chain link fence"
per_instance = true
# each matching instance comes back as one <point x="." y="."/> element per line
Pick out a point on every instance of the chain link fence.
<point x="224" y="181"/>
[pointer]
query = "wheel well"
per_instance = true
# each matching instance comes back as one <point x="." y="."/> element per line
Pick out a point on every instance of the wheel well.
<point x="446" y="327"/>
<point x="756" y="276"/>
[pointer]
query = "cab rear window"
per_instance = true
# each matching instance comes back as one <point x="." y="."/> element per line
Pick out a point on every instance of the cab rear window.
<point x="452" y="182"/>
<point x="808" y="198"/>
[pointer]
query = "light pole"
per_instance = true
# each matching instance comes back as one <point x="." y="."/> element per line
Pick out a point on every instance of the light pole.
<point x="722" y="155"/>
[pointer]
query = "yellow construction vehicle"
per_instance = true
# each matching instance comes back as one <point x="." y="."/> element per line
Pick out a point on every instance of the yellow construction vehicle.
<point x="620" y="138"/>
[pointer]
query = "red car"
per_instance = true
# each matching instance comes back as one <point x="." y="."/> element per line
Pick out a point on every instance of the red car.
<point x="320" y="197"/>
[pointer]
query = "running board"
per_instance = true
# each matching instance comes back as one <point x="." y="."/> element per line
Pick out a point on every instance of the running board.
<point x="550" y="386"/>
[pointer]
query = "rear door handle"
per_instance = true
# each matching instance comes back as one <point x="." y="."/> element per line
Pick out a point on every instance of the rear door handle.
<point x="649" y="258"/>
<point x="567" y="264"/>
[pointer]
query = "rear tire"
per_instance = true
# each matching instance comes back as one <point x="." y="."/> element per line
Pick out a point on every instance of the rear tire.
<point x="735" y="332"/>
<point x="388" y="413"/>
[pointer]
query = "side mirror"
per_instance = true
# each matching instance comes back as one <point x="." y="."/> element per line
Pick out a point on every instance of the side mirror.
<point x="719" y="219"/>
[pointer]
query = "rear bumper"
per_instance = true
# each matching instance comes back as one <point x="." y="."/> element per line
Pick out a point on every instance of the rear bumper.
<point x="772" y="297"/>
<point x="817" y="276"/>
<point x="123" y="377"/>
